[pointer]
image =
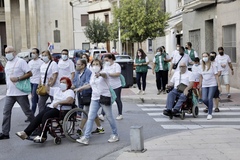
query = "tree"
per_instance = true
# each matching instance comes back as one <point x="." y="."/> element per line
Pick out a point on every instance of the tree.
<point x="97" y="31"/>
<point x="140" y="19"/>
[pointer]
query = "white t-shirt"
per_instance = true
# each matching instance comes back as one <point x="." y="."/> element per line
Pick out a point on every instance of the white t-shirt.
<point x="209" y="79"/>
<point x="196" y="72"/>
<point x="186" y="78"/>
<point x="174" y="53"/>
<point x="99" y="87"/>
<point x="15" y="68"/>
<point x="59" y="95"/>
<point x="185" y="59"/>
<point x="65" y="68"/>
<point x="223" y="60"/>
<point x="53" y="68"/>
<point x="115" y="82"/>
<point x="35" y="68"/>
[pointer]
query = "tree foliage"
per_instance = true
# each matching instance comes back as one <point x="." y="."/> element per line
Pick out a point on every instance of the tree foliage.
<point x="140" y="19"/>
<point x="97" y="31"/>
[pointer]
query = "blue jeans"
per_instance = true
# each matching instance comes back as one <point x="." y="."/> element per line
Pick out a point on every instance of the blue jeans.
<point x="94" y="107"/>
<point x="34" y="97"/>
<point x="172" y="97"/>
<point x="207" y="97"/>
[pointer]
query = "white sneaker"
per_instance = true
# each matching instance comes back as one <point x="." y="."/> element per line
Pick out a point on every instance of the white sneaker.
<point x="83" y="140"/>
<point x="139" y="92"/>
<point x="113" y="138"/>
<point x="119" y="117"/>
<point x="209" y="117"/>
<point x="143" y="92"/>
<point x="101" y="117"/>
<point x="22" y="135"/>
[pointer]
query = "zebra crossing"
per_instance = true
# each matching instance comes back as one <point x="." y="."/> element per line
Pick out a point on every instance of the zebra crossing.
<point x="227" y="117"/>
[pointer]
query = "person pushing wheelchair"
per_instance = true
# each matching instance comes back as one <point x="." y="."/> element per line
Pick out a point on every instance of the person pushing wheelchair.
<point x="181" y="82"/>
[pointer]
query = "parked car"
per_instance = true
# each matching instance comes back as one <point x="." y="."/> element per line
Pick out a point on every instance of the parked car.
<point x="3" y="62"/>
<point x="25" y="55"/>
<point x="56" y="56"/>
<point x="101" y="56"/>
<point x="76" y="54"/>
<point x="95" y="53"/>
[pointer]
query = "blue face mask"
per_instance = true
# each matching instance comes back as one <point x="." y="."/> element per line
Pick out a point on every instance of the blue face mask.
<point x="9" y="56"/>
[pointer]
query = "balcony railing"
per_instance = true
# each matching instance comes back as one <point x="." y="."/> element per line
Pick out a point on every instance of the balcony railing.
<point x="195" y="4"/>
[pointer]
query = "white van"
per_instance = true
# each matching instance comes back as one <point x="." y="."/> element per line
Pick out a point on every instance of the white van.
<point x="94" y="53"/>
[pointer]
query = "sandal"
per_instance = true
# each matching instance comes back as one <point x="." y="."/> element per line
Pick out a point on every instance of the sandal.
<point x="216" y="110"/>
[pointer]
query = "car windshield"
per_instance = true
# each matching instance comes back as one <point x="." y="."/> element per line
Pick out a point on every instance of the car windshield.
<point x="123" y="57"/>
<point x="71" y="53"/>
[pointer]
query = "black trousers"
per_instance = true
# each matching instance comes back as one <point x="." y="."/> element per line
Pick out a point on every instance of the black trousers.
<point x="161" y="79"/>
<point x="41" y="118"/>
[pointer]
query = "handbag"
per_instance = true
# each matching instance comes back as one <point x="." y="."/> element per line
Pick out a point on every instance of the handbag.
<point x="175" y="65"/>
<point x="181" y="87"/>
<point x="123" y="82"/>
<point x="24" y="85"/>
<point x="85" y="99"/>
<point x="42" y="89"/>
<point x="105" y="100"/>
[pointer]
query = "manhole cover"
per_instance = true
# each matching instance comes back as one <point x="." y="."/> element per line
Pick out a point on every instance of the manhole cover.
<point x="225" y="100"/>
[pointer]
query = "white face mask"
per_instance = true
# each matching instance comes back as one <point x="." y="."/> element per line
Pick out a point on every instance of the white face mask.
<point x="95" y="69"/>
<point x="158" y="53"/>
<point x="63" y="86"/>
<point x="9" y="56"/>
<point x="45" y="59"/>
<point x="177" y="48"/>
<point x="34" y="56"/>
<point x="205" y="59"/>
<point x="107" y="63"/>
<point x="64" y="57"/>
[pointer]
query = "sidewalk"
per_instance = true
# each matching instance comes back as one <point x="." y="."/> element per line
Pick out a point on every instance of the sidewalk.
<point x="207" y="143"/>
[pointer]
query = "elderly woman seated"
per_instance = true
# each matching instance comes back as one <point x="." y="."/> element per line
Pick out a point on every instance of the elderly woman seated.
<point x="62" y="95"/>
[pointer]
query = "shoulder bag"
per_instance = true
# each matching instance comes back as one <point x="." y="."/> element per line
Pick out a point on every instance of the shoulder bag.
<point x="175" y="65"/>
<point x="42" y="90"/>
<point x="108" y="100"/>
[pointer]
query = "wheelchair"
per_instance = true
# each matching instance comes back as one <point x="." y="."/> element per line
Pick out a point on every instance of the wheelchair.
<point x="66" y="125"/>
<point x="190" y="106"/>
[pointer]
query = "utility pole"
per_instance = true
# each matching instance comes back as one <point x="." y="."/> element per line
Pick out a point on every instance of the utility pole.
<point x="119" y="33"/>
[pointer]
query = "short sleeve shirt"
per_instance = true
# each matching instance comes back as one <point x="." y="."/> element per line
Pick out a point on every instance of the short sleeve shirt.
<point x="53" y="68"/>
<point x="209" y="79"/>
<point x="35" y="68"/>
<point x="115" y="82"/>
<point x="185" y="78"/>
<point x="185" y="59"/>
<point x="222" y="62"/>
<point x="15" y="68"/>
<point x="66" y="68"/>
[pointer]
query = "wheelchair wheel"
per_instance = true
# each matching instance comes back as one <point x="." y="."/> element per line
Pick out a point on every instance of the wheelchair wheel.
<point x="195" y="111"/>
<point x="71" y="124"/>
<point x="57" y="140"/>
<point x="182" y="115"/>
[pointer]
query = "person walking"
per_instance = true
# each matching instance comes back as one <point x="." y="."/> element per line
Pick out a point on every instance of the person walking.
<point x="50" y="69"/>
<point x="16" y="70"/>
<point x="224" y="62"/>
<point x="101" y="97"/>
<point x="160" y="67"/>
<point x="82" y="77"/>
<point x="66" y="66"/>
<point x="35" y="65"/>
<point x="209" y="82"/>
<point x="141" y="62"/>
<point x="114" y="70"/>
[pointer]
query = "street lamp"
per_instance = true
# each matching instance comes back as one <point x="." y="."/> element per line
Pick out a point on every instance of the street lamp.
<point x="71" y="4"/>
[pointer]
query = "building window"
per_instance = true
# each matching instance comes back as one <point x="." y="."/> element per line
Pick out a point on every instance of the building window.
<point x="56" y="23"/>
<point x="84" y="19"/>
<point x="1" y="3"/>
<point x="85" y="46"/>
<point x="150" y="45"/>
<point x="56" y="34"/>
<point x="229" y="41"/>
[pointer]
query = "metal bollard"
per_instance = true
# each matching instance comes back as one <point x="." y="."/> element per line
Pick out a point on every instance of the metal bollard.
<point x="136" y="139"/>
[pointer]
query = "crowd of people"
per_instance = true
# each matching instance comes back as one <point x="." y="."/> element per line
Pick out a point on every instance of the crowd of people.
<point x="92" y="81"/>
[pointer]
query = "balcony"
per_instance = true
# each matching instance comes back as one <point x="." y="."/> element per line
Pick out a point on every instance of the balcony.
<point x="196" y="4"/>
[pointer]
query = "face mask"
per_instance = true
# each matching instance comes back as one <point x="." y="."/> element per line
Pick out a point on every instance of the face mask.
<point x="34" y="56"/>
<point x="158" y="53"/>
<point x="186" y="47"/>
<point x="177" y="48"/>
<point x="95" y="69"/>
<point x="9" y="56"/>
<point x="107" y="63"/>
<point x="140" y="55"/>
<point x="64" y="57"/>
<point x="45" y="59"/>
<point x="63" y="86"/>
<point x="196" y="65"/>
<point x="205" y="59"/>
<point x="221" y="53"/>
<point x="212" y="58"/>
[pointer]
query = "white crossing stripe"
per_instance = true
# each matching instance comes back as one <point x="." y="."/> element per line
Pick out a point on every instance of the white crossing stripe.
<point x="227" y="117"/>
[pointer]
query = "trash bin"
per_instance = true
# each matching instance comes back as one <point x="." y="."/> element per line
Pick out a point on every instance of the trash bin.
<point x="127" y="71"/>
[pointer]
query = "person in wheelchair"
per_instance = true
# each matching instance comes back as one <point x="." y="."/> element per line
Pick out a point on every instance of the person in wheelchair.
<point x="181" y="83"/>
<point x="62" y="95"/>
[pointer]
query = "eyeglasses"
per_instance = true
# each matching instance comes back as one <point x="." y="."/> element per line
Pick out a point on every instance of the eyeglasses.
<point x="182" y="66"/>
